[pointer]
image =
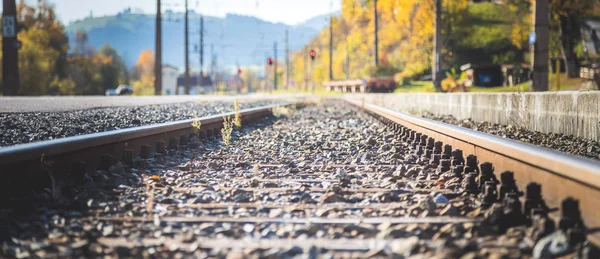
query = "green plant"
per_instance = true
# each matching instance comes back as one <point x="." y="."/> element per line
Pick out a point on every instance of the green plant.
<point x="227" y="130"/>
<point x="196" y="124"/>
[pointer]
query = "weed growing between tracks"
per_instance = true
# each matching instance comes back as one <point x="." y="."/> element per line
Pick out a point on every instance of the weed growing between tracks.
<point x="237" y="115"/>
<point x="196" y="123"/>
<point x="227" y="129"/>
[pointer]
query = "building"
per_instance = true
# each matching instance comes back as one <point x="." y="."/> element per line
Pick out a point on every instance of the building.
<point x="169" y="80"/>
<point x="203" y="86"/>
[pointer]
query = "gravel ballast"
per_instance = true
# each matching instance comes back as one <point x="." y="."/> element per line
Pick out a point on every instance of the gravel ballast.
<point x="326" y="181"/>
<point x="20" y="128"/>
<point x="560" y="142"/>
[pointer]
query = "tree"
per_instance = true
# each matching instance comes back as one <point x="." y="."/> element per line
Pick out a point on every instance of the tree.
<point x="569" y="15"/>
<point x="44" y="50"/>
<point x="144" y="74"/>
<point x="112" y="67"/>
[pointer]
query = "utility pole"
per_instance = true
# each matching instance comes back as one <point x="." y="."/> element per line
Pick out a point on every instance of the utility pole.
<point x="201" y="45"/>
<point x="187" y="52"/>
<point x="275" y="65"/>
<point x="331" y="48"/>
<point x="436" y="71"/>
<point x="287" y="60"/>
<point x="377" y="34"/>
<point x="158" y="52"/>
<point x="540" y="48"/>
<point x="213" y="64"/>
<point x="10" y="50"/>
<point x="306" y="69"/>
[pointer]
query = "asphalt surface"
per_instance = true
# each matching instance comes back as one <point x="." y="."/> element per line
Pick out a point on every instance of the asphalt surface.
<point x="71" y="103"/>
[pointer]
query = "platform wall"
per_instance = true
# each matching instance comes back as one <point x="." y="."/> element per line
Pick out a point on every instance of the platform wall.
<point x="571" y="113"/>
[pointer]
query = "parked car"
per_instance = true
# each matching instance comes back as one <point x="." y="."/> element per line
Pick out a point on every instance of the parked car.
<point x="124" y="90"/>
<point x="110" y="92"/>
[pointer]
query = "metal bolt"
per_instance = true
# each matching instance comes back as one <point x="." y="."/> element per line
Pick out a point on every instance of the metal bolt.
<point x="444" y="165"/>
<point x="508" y="184"/>
<point x="437" y="147"/>
<point x="570" y="214"/>
<point x="428" y="153"/>
<point x="434" y="159"/>
<point x="533" y="199"/>
<point x="430" y="143"/>
<point x="457" y="157"/>
<point x="472" y="165"/>
<point x="457" y="170"/>
<point x="419" y="151"/>
<point x="423" y="139"/>
<point x="447" y="152"/>
<point x="487" y="174"/>
<point x="469" y="183"/>
<point x="490" y="194"/>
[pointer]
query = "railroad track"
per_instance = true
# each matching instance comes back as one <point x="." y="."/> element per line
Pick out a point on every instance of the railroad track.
<point x="330" y="180"/>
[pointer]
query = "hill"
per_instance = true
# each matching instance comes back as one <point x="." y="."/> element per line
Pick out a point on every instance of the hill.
<point x="319" y="22"/>
<point x="237" y="39"/>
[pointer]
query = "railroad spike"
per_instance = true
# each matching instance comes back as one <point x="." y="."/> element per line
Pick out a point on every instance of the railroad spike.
<point x="457" y="157"/>
<point x="487" y="174"/>
<point x="570" y="214"/>
<point x="447" y="152"/>
<point x="508" y="184"/>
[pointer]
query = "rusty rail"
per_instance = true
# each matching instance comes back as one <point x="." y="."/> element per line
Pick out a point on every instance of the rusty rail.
<point x="38" y="164"/>
<point x="560" y="175"/>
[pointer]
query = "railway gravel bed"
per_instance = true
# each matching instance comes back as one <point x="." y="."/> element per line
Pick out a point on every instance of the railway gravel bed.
<point x="326" y="181"/>
<point x="561" y="142"/>
<point x="20" y="128"/>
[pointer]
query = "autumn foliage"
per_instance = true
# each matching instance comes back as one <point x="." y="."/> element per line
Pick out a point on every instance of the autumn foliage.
<point x="478" y="32"/>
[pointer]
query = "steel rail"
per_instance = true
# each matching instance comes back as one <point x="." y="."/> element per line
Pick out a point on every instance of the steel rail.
<point x="561" y="175"/>
<point x="71" y="155"/>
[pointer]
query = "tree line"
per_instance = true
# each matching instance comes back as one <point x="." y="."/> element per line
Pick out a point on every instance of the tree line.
<point x="484" y="32"/>
<point x="49" y="65"/>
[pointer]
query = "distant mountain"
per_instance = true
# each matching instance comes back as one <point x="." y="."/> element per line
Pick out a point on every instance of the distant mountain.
<point x="319" y="22"/>
<point x="237" y="39"/>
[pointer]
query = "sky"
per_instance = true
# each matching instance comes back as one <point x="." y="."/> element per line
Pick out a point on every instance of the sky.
<point x="285" y="11"/>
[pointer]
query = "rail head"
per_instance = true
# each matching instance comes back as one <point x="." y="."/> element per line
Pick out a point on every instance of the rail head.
<point x="583" y="170"/>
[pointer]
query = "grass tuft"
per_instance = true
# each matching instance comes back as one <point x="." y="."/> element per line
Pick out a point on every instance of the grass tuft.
<point x="227" y="130"/>
<point x="237" y="120"/>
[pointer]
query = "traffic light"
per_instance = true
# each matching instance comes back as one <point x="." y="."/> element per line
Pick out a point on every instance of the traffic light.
<point x="313" y="54"/>
<point x="270" y="61"/>
<point x="239" y="70"/>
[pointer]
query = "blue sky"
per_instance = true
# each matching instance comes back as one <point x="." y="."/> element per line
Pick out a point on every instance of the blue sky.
<point x="286" y="11"/>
